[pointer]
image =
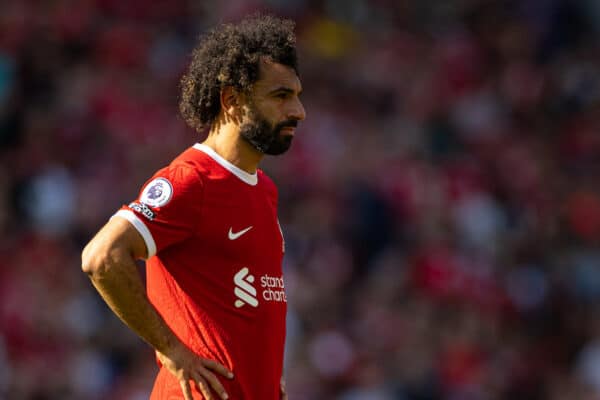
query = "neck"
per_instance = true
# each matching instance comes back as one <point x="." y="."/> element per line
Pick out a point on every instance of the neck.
<point x="228" y="143"/>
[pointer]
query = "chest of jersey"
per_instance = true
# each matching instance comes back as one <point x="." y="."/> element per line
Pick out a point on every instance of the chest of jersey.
<point x="239" y="248"/>
<point x="239" y="223"/>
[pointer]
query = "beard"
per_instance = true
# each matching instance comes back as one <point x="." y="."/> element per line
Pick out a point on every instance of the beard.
<point x="265" y="137"/>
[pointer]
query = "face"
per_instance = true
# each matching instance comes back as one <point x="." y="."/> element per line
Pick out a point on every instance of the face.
<point x="273" y="109"/>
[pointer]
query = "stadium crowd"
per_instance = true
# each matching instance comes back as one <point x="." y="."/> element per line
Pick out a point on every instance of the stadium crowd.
<point x="440" y="204"/>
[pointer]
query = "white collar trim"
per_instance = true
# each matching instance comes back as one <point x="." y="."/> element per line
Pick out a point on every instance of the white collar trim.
<point x="250" y="179"/>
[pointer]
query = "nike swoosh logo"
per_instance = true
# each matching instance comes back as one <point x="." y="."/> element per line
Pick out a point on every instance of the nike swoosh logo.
<point x="234" y="235"/>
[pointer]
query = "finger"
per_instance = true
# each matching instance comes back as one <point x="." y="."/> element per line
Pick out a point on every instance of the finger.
<point x="203" y="387"/>
<point x="217" y="367"/>
<point x="214" y="382"/>
<point x="187" y="390"/>
<point x="282" y="390"/>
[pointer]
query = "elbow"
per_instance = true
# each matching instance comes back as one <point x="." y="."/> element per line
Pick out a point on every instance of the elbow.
<point x="94" y="261"/>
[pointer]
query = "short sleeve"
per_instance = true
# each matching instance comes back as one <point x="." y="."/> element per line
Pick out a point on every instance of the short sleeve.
<point x="167" y="209"/>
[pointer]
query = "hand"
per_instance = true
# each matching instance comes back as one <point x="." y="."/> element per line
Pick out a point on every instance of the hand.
<point x="188" y="366"/>
<point x="282" y="393"/>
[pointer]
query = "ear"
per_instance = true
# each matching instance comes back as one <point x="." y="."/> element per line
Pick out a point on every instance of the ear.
<point x="229" y="100"/>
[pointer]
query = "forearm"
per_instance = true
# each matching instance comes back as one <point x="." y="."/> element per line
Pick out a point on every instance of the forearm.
<point x="109" y="261"/>
<point x="122" y="289"/>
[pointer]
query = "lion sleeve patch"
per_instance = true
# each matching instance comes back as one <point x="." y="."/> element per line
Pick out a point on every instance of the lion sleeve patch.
<point x="157" y="193"/>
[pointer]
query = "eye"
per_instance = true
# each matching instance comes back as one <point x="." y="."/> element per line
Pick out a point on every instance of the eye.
<point x="282" y="95"/>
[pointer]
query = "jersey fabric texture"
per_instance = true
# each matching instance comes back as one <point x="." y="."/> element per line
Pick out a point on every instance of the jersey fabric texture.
<point x="214" y="273"/>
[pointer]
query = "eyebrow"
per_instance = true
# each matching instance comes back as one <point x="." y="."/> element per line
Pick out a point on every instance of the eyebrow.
<point x="284" y="89"/>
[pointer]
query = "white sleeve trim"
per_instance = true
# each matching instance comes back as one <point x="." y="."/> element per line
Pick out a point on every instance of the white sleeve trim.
<point x="141" y="228"/>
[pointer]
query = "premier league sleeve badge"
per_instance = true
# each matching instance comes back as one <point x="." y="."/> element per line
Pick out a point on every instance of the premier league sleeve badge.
<point x="157" y="193"/>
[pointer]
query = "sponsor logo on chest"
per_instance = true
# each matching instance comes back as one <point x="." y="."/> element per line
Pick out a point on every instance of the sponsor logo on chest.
<point x="271" y="288"/>
<point x="231" y="235"/>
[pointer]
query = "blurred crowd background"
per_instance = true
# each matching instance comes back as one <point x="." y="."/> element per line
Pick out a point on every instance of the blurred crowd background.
<point x="440" y="204"/>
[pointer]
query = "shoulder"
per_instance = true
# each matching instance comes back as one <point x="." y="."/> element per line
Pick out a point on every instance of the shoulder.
<point x="265" y="179"/>
<point x="189" y="169"/>
<point x="267" y="184"/>
<point x="181" y="174"/>
<point x="175" y="181"/>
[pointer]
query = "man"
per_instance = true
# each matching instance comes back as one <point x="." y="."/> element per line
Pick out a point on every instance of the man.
<point x="207" y="224"/>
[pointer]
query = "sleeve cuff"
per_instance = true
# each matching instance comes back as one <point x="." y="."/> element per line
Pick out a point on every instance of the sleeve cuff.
<point x="141" y="228"/>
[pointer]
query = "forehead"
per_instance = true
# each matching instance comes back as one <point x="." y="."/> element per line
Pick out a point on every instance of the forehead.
<point x="272" y="75"/>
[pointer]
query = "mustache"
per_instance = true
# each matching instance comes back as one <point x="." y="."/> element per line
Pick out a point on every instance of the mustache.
<point x="290" y="123"/>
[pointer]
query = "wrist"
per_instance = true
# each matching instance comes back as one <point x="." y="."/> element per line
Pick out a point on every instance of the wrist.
<point x="168" y="343"/>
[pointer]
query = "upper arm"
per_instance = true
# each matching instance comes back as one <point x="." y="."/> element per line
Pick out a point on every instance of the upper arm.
<point x="167" y="209"/>
<point x="165" y="212"/>
<point x="118" y="238"/>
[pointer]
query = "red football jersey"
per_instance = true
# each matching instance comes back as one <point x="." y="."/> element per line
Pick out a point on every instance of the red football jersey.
<point x="214" y="273"/>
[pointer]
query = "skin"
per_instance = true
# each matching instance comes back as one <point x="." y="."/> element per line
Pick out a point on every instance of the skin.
<point x="110" y="258"/>
<point x="275" y="95"/>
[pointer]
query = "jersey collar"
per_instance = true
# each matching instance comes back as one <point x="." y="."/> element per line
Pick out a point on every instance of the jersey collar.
<point x="250" y="179"/>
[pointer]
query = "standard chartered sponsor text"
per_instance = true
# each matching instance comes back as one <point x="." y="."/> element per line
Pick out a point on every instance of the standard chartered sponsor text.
<point x="273" y="288"/>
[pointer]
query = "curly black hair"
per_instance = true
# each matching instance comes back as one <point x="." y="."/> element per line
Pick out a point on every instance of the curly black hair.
<point x="229" y="55"/>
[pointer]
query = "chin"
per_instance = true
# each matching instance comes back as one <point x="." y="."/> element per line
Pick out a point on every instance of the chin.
<point x="280" y="148"/>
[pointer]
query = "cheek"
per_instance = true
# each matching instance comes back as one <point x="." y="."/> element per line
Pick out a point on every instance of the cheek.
<point x="272" y="110"/>
<point x="271" y="118"/>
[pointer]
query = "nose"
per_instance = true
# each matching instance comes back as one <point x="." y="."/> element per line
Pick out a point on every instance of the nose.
<point x="297" y="112"/>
